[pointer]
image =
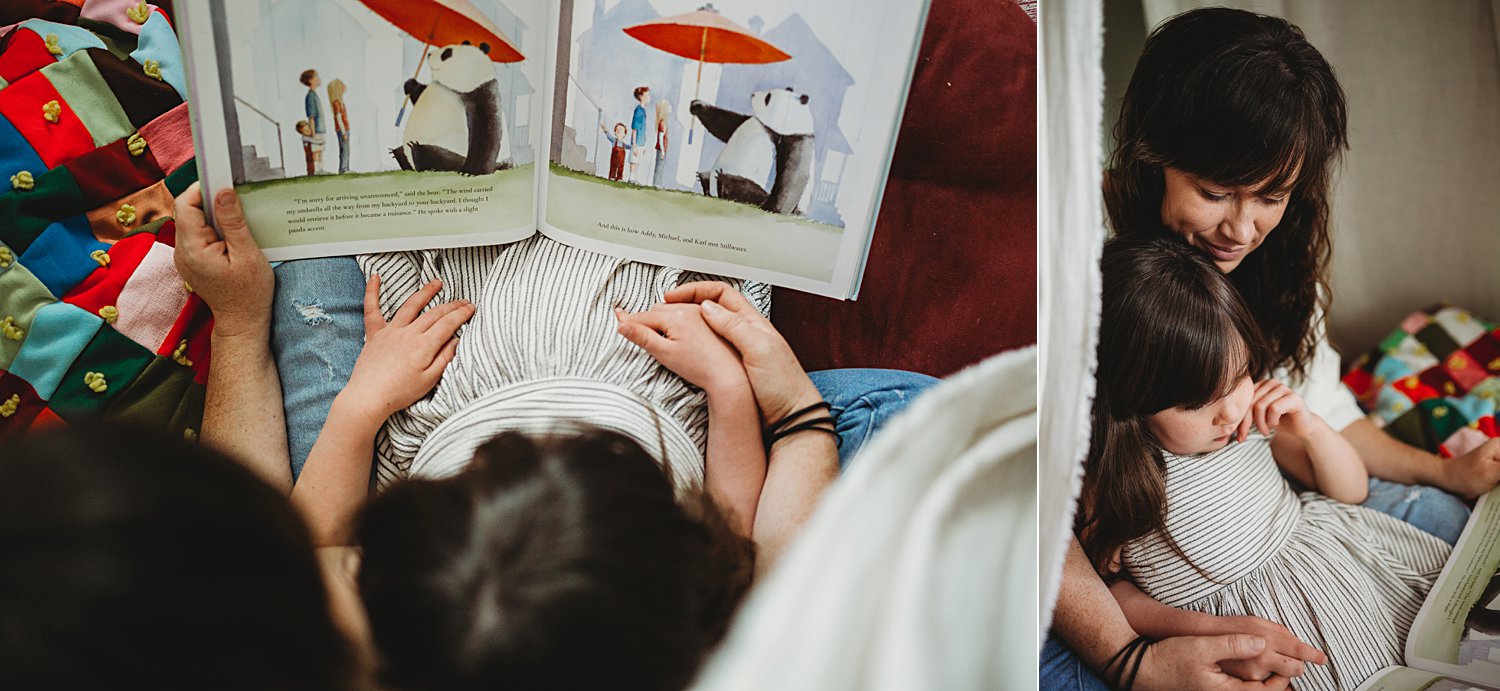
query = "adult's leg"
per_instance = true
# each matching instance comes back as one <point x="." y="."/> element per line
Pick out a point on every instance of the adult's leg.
<point x="862" y="400"/>
<point x="317" y="331"/>
<point x="1427" y="508"/>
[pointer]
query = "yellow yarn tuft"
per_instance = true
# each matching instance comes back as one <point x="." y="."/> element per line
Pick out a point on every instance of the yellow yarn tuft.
<point x="52" y="111"/>
<point x="11" y="331"/>
<point x="136" y="143"/>
<point x="52" y="46"/>
<point x="140" y="13"/>
<point x="126" y="215"/>
<point x="152" y="68"/>
<point x="11" y="405"/>
<point x="95" y="381"/>
<point x="100" y="256"/>
<point x="179" y="355"/>
<point x="110" y="314"/>
<point x="6" y="257"/>
<point x="23" y="180"/>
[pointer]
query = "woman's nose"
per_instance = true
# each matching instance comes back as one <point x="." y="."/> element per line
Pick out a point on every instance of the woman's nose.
<point x="1239" y="225"/>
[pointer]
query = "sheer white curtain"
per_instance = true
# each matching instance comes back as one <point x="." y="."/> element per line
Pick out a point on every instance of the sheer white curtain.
<point x="1416" y="212"/>
<point x="1070" y="218"/>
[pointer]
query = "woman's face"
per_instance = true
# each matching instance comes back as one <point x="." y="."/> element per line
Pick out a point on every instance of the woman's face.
<point x="1226" y="222"/>
<point x="1184" y="431"/>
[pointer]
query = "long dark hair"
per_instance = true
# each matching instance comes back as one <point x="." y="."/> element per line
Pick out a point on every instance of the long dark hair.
<point x="1238" y="98"/>
<point x="131" y="560"/>
<point x="1173" y="333"/>
<point x="559" y="562"/>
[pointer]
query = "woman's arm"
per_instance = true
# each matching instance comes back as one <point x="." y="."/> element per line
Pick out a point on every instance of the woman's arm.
<point x="401" y="361"/>
<point x="1090" y="620"/>
<point x="242" y="409"/>
<point x="1468" y="475"/>
<point x="1306" y="447"/>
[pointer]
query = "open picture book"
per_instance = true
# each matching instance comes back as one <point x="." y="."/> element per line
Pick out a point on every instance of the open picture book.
<point x="748" y="138"/>
<point x="1454" y="642"/>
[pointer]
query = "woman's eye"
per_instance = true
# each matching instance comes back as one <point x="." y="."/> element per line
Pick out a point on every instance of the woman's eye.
<point x="1273" y="201"/>
<point x="1211" y="196"/>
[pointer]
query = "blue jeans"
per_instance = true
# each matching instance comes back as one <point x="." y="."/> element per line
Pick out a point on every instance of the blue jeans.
<point x="317" y="331"/>
<point x="1426" y="508"/>
<point x="862" y="400"/>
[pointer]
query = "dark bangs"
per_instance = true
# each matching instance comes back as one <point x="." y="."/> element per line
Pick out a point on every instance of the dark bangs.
<point x="1174" y="332"/>
<point x="1236" y="98"/>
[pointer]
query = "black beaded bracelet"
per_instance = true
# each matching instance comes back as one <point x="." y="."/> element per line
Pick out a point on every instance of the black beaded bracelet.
<point x="1128" y="658"/>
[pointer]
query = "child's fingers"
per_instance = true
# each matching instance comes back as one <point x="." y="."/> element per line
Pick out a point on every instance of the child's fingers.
<point x="1243" y="432"/>
<point x="646" y="337"/>
<point x="374" y="320"/>
<point x="441" y="360"/>
<point x="444" y="328"/>
<point x="414" y="304"/>
<point x="424" y="322"/>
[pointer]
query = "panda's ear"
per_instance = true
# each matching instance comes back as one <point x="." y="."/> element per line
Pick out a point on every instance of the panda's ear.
<point x="804" y="99"/>
<point x="484" y="48"/>
<point x="466" y="43"/>
<point x="768" y="98"/>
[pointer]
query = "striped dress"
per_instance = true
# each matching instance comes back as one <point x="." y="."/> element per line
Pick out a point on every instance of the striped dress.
<point x="1344" y="579"/>
<point x="541" y="355"/>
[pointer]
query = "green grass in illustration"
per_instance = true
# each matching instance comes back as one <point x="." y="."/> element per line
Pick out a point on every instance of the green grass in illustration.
<point x="691" y="224"/>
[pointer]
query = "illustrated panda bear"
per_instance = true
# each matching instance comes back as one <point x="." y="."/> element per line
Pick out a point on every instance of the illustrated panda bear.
<point x="456" y="121"/>
<point x="768" y="155"/>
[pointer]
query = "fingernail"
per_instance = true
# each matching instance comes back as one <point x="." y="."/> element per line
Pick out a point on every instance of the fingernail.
<point x="712" y="307"/>
<point x="1257" y="644"/>
<point x="225" y="197"/>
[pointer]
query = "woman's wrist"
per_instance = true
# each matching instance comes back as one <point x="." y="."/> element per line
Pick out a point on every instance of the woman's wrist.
<point x="359" y="412"/>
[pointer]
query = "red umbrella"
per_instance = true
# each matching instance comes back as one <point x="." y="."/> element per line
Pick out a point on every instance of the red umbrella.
<point x="444" y="22"/>
<point x="706" y="36"/>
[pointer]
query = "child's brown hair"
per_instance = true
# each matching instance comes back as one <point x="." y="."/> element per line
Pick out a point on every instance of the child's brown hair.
<point x="308" y="76"/>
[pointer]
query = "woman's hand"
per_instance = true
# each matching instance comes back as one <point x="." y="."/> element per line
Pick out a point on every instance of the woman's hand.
<point x="677" y="336"/>
<point x="1473" y="473"/>
<point x="780" y="384"/>
<point x="1284" y="653"/>
<point x="1276" y="407"/>
<point x="404" y="358"/>
<point x="1204" y="662"/>
<point x="230" y="274"/>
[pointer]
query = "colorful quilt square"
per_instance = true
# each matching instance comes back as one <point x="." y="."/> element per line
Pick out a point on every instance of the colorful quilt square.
<point x="70" y="38"/>
<point x="191" y="334"/>
<point x="16" y="155"/>
<point x="1462" y="326"/>
<point x="182" y="178"/>
<point x="1486" y="351"/>
<point x="58" y="334"/>
<point x="1438" y="340"/>
<point x="110" y="355"/>
<point x="1464" y="370"/>
<point x="1390" y="369"/>
<point x="1463" y="441"/>
<point x="143" y="98"/>
<point x="1391" y="403"/>
<point x="1441" y="382"/>
<point x="22" y="103"/>
<point x="23" y="52"/>
<point x="152" y="299"/>
<point x="1415" y="389"/>
<point x="153" y="400"/>
<point x="23" y="216"/>
<point x="169" y="138"/>
<point x="60" y="256"/>
<point x="111" y="172"/>
<point x="1361" y="382"/>
<point x="81" y="85"/>
<point x="21" y="296"/>
<point x="1444" y="417"/>
<point x="1488" y="390"/>
<point x="19" y="404"/>
<point x="1414" y="428"/>
<point x="159" y="42"/>
<point x="103" y="286"/>
<point x="113" y="221"/>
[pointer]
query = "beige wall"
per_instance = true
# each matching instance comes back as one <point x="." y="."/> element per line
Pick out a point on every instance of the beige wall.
<point x="1416" y="215"/>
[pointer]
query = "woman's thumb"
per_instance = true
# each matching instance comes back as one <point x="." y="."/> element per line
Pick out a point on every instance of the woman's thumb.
<point x="1238" y="646"/>
<point x="230" y="218"/>
<point x="728" y="325"/>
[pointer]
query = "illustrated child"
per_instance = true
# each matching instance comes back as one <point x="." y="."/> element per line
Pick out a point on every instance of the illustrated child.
<point x="663" y="110"/>
<point x="314" y="107"/>
<point x="336" y="91"/>
<point x="638" y="134"/>
<point x="620" y="147"/>
<point x="312" y="146"/>
<point x="1184" y="520"/>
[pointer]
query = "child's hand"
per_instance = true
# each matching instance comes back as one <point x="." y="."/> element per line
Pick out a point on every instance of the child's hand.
<point x="1276" y="406"/>
<point x="681" y="341"/>
<point x="230" y="274"/>
<point x="403" y="359"/>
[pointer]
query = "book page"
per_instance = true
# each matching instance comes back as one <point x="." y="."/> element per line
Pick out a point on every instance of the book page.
<point x="353" y="126"/>
<point x="1408" y="679"/>
<point x="744" y="138"/>
<point x="1457" y="632"/>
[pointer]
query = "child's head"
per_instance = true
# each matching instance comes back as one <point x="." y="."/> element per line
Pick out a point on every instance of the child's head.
<point x="136" y="560"/>
<point x="558" y="562"/>
<point x="663" y="109"/>
<point x="309" y="79"/>
<point x="643" y="94"/>
<point x="336" y="90"/>
<point x="1177" y="352"/>
<point x="304" y="128"/>
<point x="620" y="129"/>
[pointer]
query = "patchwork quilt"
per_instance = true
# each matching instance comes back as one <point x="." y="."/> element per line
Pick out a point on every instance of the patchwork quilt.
<point x="94" y="144"/>
<point x="1434" y="382"/>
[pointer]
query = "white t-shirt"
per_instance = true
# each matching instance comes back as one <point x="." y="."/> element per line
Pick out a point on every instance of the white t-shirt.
<point x="1322" y="387"/>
